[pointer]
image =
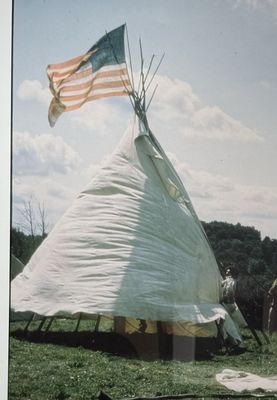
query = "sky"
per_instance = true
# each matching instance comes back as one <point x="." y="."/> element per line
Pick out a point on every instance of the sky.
<point x="214" y="111"/>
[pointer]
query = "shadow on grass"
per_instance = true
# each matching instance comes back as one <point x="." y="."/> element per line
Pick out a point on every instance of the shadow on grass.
<point x="136" y="345"/>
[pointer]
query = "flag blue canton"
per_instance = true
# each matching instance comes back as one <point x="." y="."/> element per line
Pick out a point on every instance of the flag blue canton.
<point x="109" y="50"/>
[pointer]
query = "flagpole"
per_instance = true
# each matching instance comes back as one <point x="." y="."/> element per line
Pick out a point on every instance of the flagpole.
<point x="129" y="51"/>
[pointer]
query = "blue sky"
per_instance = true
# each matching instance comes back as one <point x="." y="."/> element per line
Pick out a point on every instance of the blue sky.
<point x="214" y="111"/>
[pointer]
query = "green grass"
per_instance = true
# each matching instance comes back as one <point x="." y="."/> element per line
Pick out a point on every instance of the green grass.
<point x="39" y="371"/>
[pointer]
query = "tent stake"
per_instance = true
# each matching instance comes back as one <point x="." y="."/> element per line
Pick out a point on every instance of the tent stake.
<point x="50" y="323"/>
<point x="254" y="333"/>
<point x="41" y="324"/>
<point x="220" y="335"/>
<point x="265" y="336"/>
<point x="97" y="323"/>
<point x="29" y="322"/>
<point x="78" y="323"/>
<point x="119" y="325"/>
<point x="160" y="339"/>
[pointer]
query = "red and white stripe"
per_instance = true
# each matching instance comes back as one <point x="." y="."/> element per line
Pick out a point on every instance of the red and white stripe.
<point x="58" y="71"/>
<point x="73" y="85"/>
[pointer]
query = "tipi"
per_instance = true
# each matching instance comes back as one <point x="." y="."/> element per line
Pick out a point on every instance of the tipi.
<point x="130" y="246"/>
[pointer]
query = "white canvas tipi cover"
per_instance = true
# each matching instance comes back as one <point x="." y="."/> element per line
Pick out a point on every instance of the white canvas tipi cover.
<point x="130" y="245"/>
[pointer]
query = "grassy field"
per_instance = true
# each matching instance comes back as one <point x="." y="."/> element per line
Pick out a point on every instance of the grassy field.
<point x="43" y="370"/>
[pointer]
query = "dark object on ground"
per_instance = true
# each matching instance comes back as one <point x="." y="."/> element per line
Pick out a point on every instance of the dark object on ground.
<point x="104" y="396"/>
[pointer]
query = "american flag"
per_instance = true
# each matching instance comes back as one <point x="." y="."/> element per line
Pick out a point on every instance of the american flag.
<point x="100" y="72"/>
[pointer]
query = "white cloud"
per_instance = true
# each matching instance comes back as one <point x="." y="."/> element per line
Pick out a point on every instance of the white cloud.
<point x="214" y="123"/>
<point x="255" y="4"/>
<point x="56" y="192"/>
<point x="103" y="117"/>
<point x="177" y="106"/>
<point x="267" y="85"/>
<point x="42" y="155"/>
<point x="175" y="94"/>
<point x="33" y="90"/>
<point x="216" y="197"/>
<point x="55" y="197"/>
<point x="41" y="188"/>
<point x="268" y="6"/>
<point x="248" y="3"/>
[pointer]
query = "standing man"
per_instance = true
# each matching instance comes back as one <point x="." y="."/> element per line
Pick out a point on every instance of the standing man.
<point x="229" y="285"/>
